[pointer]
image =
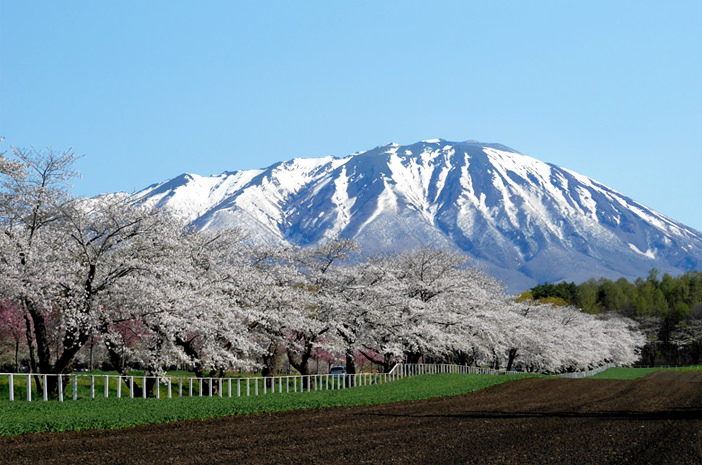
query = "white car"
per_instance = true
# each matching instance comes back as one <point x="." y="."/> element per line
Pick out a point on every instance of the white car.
<point x="337" y="371"/>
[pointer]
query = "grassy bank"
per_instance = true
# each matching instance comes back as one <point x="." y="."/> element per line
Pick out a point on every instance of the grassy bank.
<point x="633" y="373"/>
<point x="25" y="417"/>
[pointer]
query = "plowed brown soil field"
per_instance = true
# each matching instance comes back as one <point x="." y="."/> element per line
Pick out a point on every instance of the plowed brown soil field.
<point x="653" y="420"/>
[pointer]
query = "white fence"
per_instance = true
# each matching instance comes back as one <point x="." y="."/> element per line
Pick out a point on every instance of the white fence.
<point x="92" y="386"/>
<point x="20" y="386"/>
<point x="412" y="369"/>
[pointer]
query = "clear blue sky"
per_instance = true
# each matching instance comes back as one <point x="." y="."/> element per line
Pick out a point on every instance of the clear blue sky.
<point x="148" y="90"/>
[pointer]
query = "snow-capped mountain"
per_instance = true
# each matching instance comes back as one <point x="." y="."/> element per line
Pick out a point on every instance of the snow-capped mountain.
<point x="524" y="220"/>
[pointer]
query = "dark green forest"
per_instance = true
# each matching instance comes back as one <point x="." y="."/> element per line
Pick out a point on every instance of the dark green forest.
<point x="668" y="309"/>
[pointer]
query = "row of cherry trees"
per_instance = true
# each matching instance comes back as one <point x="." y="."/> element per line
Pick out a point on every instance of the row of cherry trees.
<point x="159" y="294"/>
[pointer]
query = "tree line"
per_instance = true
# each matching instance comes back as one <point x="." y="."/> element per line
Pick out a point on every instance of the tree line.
<point x="153" y="293"/>
<point x="668" y="310"/>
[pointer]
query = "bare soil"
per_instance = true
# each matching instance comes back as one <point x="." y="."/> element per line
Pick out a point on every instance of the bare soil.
<point x="657" y="419"/>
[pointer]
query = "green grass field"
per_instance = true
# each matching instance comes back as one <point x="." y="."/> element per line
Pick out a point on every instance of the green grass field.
<point x="633" y="373"/>
<point x="21" y="417"/>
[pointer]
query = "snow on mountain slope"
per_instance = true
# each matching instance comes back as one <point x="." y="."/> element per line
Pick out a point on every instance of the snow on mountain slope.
<point x="525" y="220"/>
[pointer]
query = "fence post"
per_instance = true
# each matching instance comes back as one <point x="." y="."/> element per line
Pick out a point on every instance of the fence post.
<point x="238" y="387"/>
<point x="143" y="387"/>
<point x="45" y="389"/>
<point x="190" y="387"/>
<point x="131" y="387"/>
<point x="265" y="389"/>
<point x="210" y="386"/>
<point x="219" y="390"/>
<point x="170" y="389"/>
<point x="107" y="386"/>
<point x="280" y="385"/>
<point x="29" y="388"/>
<point x="75" y="387"/>
<point x="255" y="386"/>
<point x="60" y="388"/>
<point x="158" y="388"/>
<point x="92" y="386"/>
<point x="180" y="387"/>
<point x="119" y="386"/>
<point x="247" y="387"/>
<point x="12" y="388"/>
<point x="229" y="387"/>
<point x="199" y="386"/>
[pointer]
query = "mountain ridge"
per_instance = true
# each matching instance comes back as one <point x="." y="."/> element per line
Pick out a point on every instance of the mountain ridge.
<point x="526" y="221"/>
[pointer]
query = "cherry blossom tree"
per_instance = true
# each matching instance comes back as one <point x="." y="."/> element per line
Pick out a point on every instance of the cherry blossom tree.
<point x="319" y="302"/>
<point x="189" y="309"/>
<point x="62" y="258"/>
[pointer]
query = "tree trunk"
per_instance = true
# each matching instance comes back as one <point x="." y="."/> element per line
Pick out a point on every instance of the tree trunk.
<point x="272" y="361"/>
<point x="301" y="362"/>
<point x="116" y="361"/>
<point x="16" y="356"/>
<point x="32" y="358"/>
<point x="350" y="367"/>
<point x="72" y="344"/>
<point x="388" y="362"/>
<point x="511" y="355"/>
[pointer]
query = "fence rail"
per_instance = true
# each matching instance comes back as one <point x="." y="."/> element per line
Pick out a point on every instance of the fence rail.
<point x="79" y="386"/>
<point x="75" y="386"/>
<point x="413" y="369"/>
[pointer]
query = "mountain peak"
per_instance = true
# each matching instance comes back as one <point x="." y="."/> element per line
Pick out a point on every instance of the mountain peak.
<point x="524" y="220"/>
